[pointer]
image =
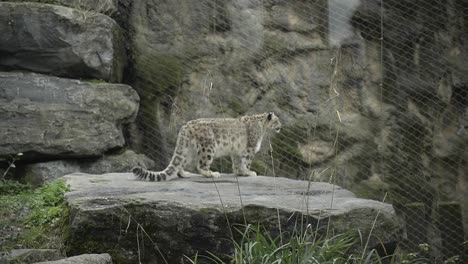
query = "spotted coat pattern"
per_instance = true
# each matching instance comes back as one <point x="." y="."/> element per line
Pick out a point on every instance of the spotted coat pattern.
<point x="203" y="140"/>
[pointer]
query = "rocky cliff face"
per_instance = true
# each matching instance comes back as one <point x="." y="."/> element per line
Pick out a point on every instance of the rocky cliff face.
<point x="228" y="59"/>
<point x="48" y="118"/>
<point x="397" y="108"/>
<point x="52" y="116"/>
<point x="373" y="98"/>
<point x="386" y="111"/>
<point x="60" y="41"/>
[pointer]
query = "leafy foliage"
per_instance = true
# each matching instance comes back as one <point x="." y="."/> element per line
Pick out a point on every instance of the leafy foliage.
<point x="258" y="247"/>
<point x="47" y="207"/>
<point x="8" y="187"/>
<point x="41" y="213"/>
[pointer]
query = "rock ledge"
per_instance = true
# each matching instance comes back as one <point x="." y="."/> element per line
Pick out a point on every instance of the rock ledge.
<point x="186" y="216"/>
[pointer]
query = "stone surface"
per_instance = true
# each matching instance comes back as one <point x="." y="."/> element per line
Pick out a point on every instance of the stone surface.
<point x="48" y="116"/>
<point x="83" y="259"/>
<point x="60" y="41"/>
<point x="281" y="56"/>
<point x="391" y="107"/>
<point x="254" y="57"/>
<point x="30" y="255"/>
<point x="108" y="7"/>
<point x="110" y="212"/>
<point x="425" y="93"/>
<point x="40" y="173"/>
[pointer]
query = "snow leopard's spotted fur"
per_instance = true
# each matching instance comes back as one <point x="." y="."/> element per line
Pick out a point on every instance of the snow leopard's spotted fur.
<point x="203" y="140"/>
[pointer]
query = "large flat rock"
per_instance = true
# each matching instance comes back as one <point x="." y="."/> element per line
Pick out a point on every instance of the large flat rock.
<point x="60" y="41"/>
<point x="48" y="116"/>
<point x="110" y="212"/>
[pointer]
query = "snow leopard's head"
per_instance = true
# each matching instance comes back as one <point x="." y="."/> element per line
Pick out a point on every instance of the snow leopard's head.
<point x="273" y="122"/>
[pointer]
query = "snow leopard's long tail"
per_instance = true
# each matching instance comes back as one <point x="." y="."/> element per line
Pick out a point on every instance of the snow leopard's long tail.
<point x="172" y="171"/>
<point x="144" y="174"/>
<point x="175" y="167"/>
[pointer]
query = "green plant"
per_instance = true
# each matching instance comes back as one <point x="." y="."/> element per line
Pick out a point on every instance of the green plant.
<point x="41" y="214"/>
<point x="258" y="247"/>
<point x="160" y="74"/>
<point x="48" y="206"/>
<point x="8" y="187"/>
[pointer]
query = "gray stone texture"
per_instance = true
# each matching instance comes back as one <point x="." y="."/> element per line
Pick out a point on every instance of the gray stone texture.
<point x="108" y="7"/>
<point x="30" y="256"/>
<point x="406" y="137"/>
<point x="187" y="215"/>
<point x="49" y="116"/>
<point x="60" y="41"/>
<point x="43" y="172"/>
<point x="83" y="259"/>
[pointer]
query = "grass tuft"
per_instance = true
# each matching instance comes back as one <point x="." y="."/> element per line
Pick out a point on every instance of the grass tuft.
<point x="41" y="214"/>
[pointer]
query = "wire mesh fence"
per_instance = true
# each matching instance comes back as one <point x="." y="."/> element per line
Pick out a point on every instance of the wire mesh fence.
<point x="372" y="95"/>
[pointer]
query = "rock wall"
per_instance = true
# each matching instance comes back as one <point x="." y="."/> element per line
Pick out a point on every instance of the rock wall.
<point x="47" y="118"/>
<point x="50" y="116"/>
<point x="60" y="41"/>
<point x="227" y="59"/>
<point x="425" y="87"/>
<point x="251" y="58"/>
<point x="372" y="109"/>
<point x="386" y="111"/>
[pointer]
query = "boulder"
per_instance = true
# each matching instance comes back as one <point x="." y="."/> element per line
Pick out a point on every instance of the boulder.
<point x="45" y="116"/>
<point x="132" y="219"/>
<point x="60" y="41"/>
<point x="84" y="259"/>
<point x="39" y="173"/>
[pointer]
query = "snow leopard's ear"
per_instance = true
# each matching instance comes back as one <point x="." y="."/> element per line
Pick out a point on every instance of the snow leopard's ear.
<point x="270" y="116"/>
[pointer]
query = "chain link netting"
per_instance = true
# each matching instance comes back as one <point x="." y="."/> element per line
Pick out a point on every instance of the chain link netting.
<point x="372" y="94"/>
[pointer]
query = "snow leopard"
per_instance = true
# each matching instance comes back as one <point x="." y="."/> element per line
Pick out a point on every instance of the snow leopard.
<point x="203" y="140"/>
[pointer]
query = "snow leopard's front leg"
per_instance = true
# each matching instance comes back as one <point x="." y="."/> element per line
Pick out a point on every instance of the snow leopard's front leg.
<point x="205" y="155"/>
<point x="236" y="163"/>
<point x="245" y="162"/>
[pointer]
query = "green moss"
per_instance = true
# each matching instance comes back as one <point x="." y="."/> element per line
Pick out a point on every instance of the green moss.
<point x="45" y="224"/>
<point x="274" y="46"/>
<point x="236" y="106"/>
<point x="159" y="74"/>
<point x="16" y="260"/>
<point x="285" y="145"/>
<point x="222" y="165"/>
<point x="13" y="187"/>
<point x="260" y="167"/>
<point x="367" y="191"/>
